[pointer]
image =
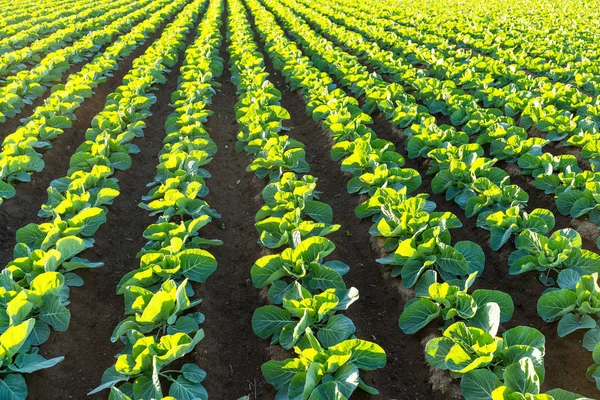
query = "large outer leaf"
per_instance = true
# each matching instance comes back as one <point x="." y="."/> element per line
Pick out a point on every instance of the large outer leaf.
<point x="319" y="211"/>
<point x="338" y="328"/>
<point x="182" y="389"/>
<point x="452" y="261"/>
<point x="197" y="264"/>
<point x="487" y="318"/>
<point x="13" y="387"/>
<point x="27" y="363"/>
<point x="436" y="351"/>
<point x="570" y="323"/>
<point x="522" y="377"/>
<point x="560" y="394"/>
<point x="13" y="338"/>
<point x="553" y="305"/>
<point x="55" y="314"/>
<point x="507" y="307"/>
<point x="479" y="384"/>
<point x="314" y="248"/>
<point x="110" y="378"/>
<point x="524" y="335"/>
<point x="474" y="255"/>
<point x="69" y="246"/>
<point x="280" y="373"/>
<point x="268" y="320"/>
<point x="417" y="315"/>
<point x="365" y="355"/>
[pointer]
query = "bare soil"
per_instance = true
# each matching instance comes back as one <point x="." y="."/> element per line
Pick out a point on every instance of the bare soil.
<point x="231" y="353"/>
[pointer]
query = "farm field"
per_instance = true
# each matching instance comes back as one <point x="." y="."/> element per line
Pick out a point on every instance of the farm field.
<point x="299" y="200"/>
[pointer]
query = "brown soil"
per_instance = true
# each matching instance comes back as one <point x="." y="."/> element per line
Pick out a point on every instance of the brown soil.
<point x="231" y="353"/>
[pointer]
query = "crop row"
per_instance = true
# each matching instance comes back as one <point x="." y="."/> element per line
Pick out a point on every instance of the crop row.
<point x="12" y="13"/>
<point x="486" y="191"/>
<point x="306" y="291"/>
<point x="62" y="17"/>
<point x="566" y="55"/>
<point x="16" y="58"/>
<point x="411" y="73"/>
<point x="25" y="86"/>
<point x="501" y="210"/>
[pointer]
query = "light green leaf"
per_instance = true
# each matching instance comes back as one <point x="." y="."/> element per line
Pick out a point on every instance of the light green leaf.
<point x="197" y="264"/>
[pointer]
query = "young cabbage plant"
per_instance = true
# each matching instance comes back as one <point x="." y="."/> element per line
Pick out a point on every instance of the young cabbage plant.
<point x="383" y="176"/>
<point x="390" y="199"/>
<point x="591" y="341"/>
<point x="547" y="164"/>
<point x="486" y="198"/>
<point x="456" y="176"/>
<point x="19" y="356"/>
<point x="70" y="195"/>
<point x="513" y="147"/>
<point x="397" y="216"/>
<point x="285" y="219"/>
<point x="82" y="223"/>
<point x="519" y="381"/>
<point x="427" y="136"/>
<point x="564" y="182"/>
<point x="291" y="192"/>
<point x="292" y="228"/>
<point x="560" y="251"/>
<point x="575" y="304"/>
<point x="189" y="179"/>
<point x="483" y="308"/>
<point x="482" y="360"/>
<point x="579" y="202"/>
<point x="504" y="224"/>
<point x="304" y="263"/>
<point x="162" y="235"/>
<point x="431" y="249"/>
<point x="162" y="309"/>
<point x="365" y="156"/>
<point x="442" y="157"/>
<point x="302" y="310"/>
<point x="320" y="373"/>
<point x="139" y="371"/>
<point x="276" y="155"/>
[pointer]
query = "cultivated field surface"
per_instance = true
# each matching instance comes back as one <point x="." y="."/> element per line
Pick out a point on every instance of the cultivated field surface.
<point x="299" y="199"/>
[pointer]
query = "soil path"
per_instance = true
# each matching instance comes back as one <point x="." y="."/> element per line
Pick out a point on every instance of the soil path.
<point x="231" y="353"/>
